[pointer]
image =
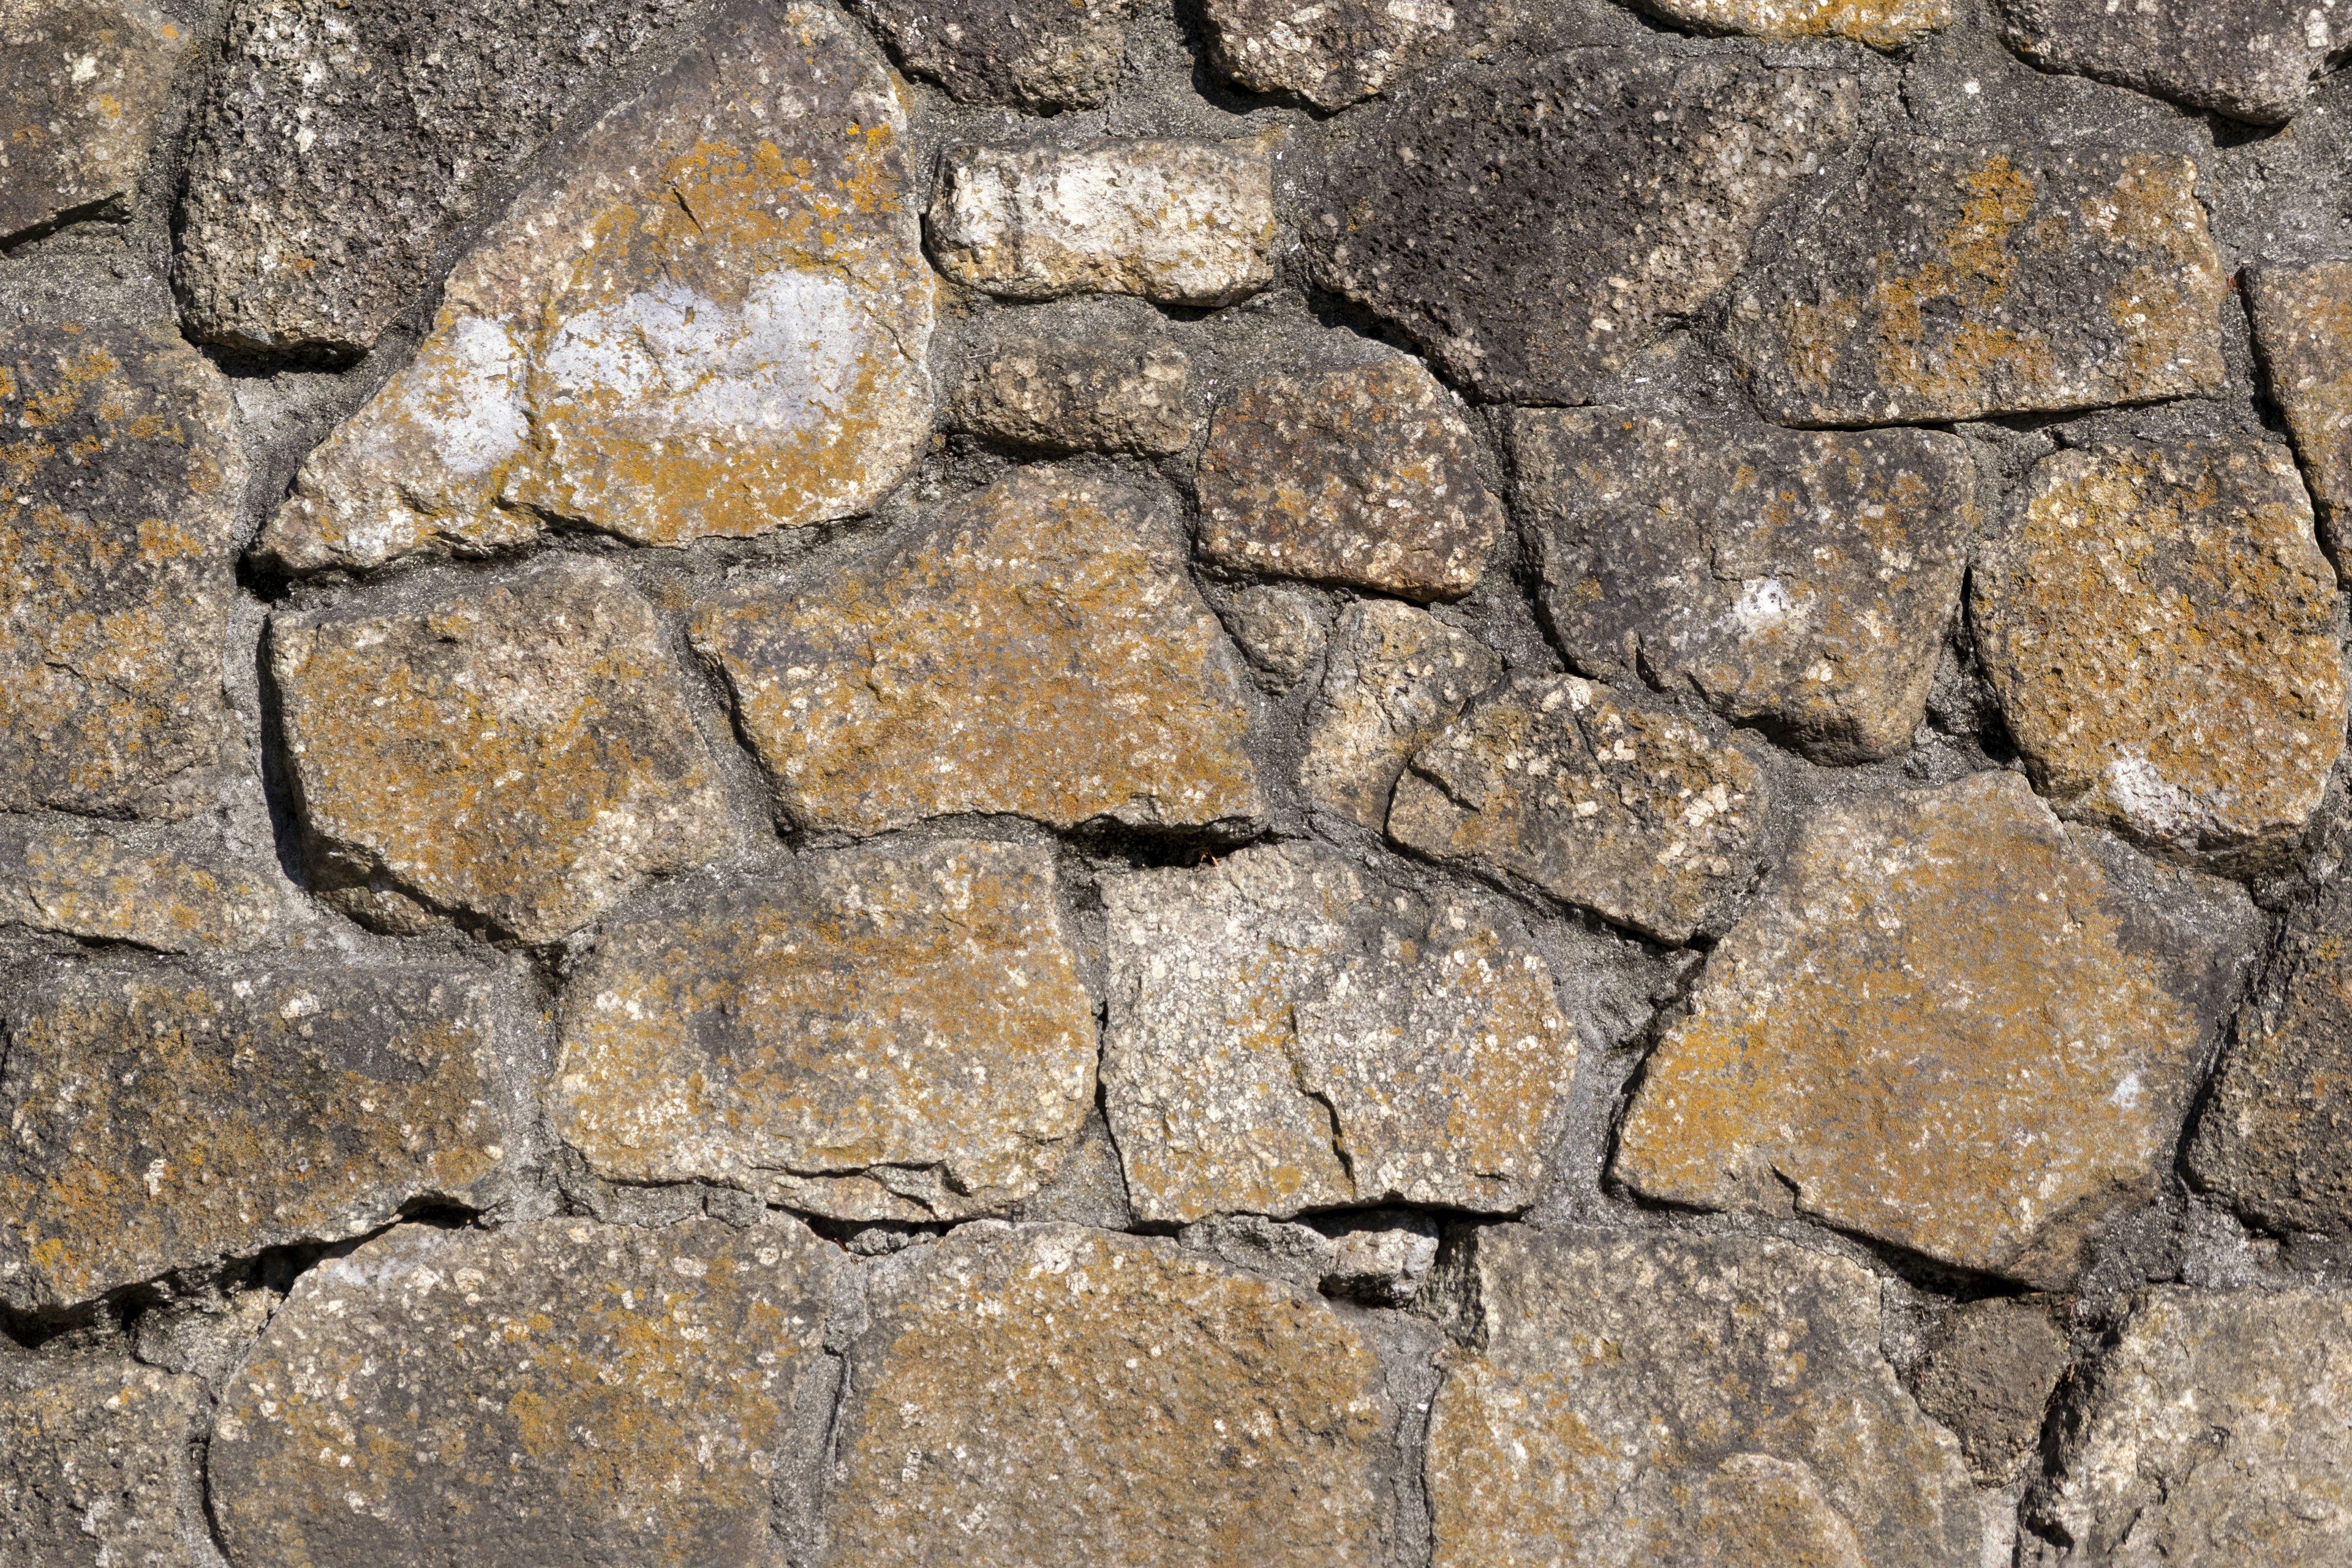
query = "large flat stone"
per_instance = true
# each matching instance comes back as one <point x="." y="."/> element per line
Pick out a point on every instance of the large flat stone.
<point x="1881" y="24"/>
<point x="1330" y="53"/>
<point x="1533" y="226"/>
<point x="2250" y="59"/>
<point x="731" y="338"/>
<point x="1394" y="678"/>
<point x="1798" y="581"/>
<point x="175" y="889"/>
<point x="95" y="1466"/>
<point x="2302" y="325"/>
<point x="83" y="84"/>
<point x="1039" y="55"/>
<point x="1035" y="650"/>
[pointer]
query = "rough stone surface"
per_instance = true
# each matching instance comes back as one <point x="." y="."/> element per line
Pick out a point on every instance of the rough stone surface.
<point x="1944" y="1026"/>
<point x="2160" y="627"/>
<point x="1178" y="223"/>
<point x="1330" y="53"/>
<point x="1951" y="282"/>
<point x="1596" y="796"/>
<point x="1287" y="1034"/>
<point x="1801" y="580"/>
<point x="891" y="1033"/>
<point x="83" y="84"/>
<point x="731" y="339"/>
<point x="1070" y="378"/>
<point x="2250" y="59"/>
<point x="1049" y="1397"/>
<point x="2302" y="325"/>
<point x="2213" y="1432"/>
<point x="94" y="1469"/>
<point x="1035" y="650"/>
<point x="119" y="484"/>
<point x="1366" y="477"/>
<point x="1039" y="55"/>
<point x="1688" y="1400"/>
<point x="163" y="1118"/>
<point x="174" y="889"/>
<point x="1533" y="227"/>
<point x="552" y="1393"/>
<point x="1395" y="676"/>
<point x="1881" y="24"/>
<point x="1990" y="1375"/>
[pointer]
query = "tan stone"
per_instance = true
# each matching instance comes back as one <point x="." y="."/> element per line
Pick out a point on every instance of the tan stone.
<point x="1395" y="676"/>
<point x="94" y="1465"/>
<point x="1881" y="24"/>
<point x="1054" y="1397"/>
<point x="2302" y="325"/>
<point x="730" y="335"/>
<point x="2159" y="627"/>
<point x="82" y="85"/>
<point x="1035" y="650"/>
<point x="1077" y="377"/>
<point x="176" y="890"/>
<point x="1334" y="52"/>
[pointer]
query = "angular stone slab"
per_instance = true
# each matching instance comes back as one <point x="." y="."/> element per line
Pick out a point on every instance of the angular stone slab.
<point x="1531" y="228"/>
<point x="1989" y="1372"/>
<point x="1945" y="1026"/>
<point x="2250" y="59"/>
<point x="1600" y="797"/>
<point x="1037" y="649"/>
<point x="1396" y="677"/>
<point x="83" y="84"/>
<point x="119" y="478"/>
<point x="175" y="889"/>
<point x="1057" y="1398"/>
<point x="1881" y="24"/>
<point x="2302" y="325"/>
<point x="1801" y="581"/>
<point x="1684" y="1399"/>
<point x="2159" y="627"/>
<point x="541" y="1395"/>
<point x="1366" y="477"/>
<point x="517" y="755"/>
<point x="735" y="340"/>
<point x="891" y="1033"/>
<point x="1075" y="378"/>
<point x="1288" y="1034"/>
<point x="1039" y="55"/>
<point x="94" y="1464"/>
<point x="1330" y="53"/>
<point x="1953" y="282"/>
<point x="166" y="1118"/>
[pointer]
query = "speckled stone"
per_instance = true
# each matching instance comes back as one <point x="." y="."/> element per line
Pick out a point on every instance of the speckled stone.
<point x="175" y="889"/>
<point x="2303" y="327"/>
<point x="1990" y="1374"/>
<point x="1331" y="53"/>
<point x="1881" y="24"/>
<point x="1281" y="631"/>
<point x="2249" y="59"/>
<point x="1395" y="676"/>
<point x="1076" y="376"/>
<point x="83" y="85"/>
<point x="94" y="1464"/>
<point x="1038" y="55"/>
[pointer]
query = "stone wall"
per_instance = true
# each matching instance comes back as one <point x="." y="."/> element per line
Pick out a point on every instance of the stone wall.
<point x="1175" y="782"/>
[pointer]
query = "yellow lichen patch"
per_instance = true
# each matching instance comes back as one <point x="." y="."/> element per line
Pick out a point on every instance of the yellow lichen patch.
<point x="1881" y="24"/>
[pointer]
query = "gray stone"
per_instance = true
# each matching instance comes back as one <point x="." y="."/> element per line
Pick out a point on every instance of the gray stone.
<point x="175" y="889"/>
<point x="1990" y="1374"/>
<point x="1380" y="1259"/>
<point x="1078" y="377"/>
<point x="83" y="84"/>
<point x="2303" y="327"/>
<point x="1532" y="227"/>
<point x="1282" y="632"/>
<point x="1040" y="55"/>
<point x="1330" y="53"/>
<point x="1395" y="676"/>
<point x="2250" y="59"/>
<point x="94" y="1465"/>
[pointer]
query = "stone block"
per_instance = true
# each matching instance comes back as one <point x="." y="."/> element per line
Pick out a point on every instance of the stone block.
<point x="2303" y="327"/>
<point x="2249" y="59"/>
<point x="1074" y="378"/>
<point x="94" y="1464"/>
<point x="1394" y="678"/>
<point x="83" y="86"/>
<point x="1038" y="55"/>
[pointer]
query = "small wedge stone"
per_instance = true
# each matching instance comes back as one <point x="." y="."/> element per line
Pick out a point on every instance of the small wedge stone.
<point x="2302" y="325"/>
<point x="1396" y="676"/>
<point x="83" y="84"/>
<point x="1990" y="1375"/>
<point x="1038" y="55"/>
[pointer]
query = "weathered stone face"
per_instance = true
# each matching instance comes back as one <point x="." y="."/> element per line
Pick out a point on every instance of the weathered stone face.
<point x="1031" y="54"/>
<point x="1287" y="1034"/>
<point x="1036" y="650"/>
<point x="2159" y="627"/>
<point x="94" y="1469"/>
<point x="2250" y="59"/>
<point x="1598" y="798"/>
<point x="174" y="889"/>
<point x="1881" y="24"/>
<point x="1942" y="1025"/>
<point x="731" y="339"/>
<point x="891" y="1033"/>
<point x="1706" y="1400"/>
<point x="1071" y="378"/>
<point x="517" y="755"/>
<point x="1396" y="677"/>
<point x="1331" y="53"/>
<point x="1799" y="580"/>
<point x="1532" y="229"/>
<point x="165" y="1118"/>
<point x="1954" y="282"/>
<point x="1990" y="1375"/>
<point x="542" y="1395"/>
<point x="1281" y="632"/>
<point x="1367" y="476"/>
<point x="2213" y="1433"/>
<point x="2302" y="324"/>
<point x="1051" y="1396"/>
<point x="83" y="85"/>
<point x="119" y="486"/>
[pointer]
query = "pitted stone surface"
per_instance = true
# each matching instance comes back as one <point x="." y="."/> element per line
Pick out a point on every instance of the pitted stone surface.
<point x="1282" y="632"/>
<point x="1056" y="1397"/>
<point x="730" y="339"/>
<point x="1330" y="53"/>
<point x="1394" y="678"/>
<point x="94" y="1465"/>
<point x="1881" y="24"/>
<point x="1943" y="1026"/>
<point x="1287" y="1033"/>
<point x="1035" y="650"/>
<point x="163" y="1118"/>
<point x="1073" y="377"/>
<point x="1704" y="1400"/>
<point x="176" y="890"/>
<point x="1952" y="282"/>
<point x="1039" y="55"/>
<point x="1990" y="1375"/>
<point x="83" y="84"/>
<point x="544" y="1395"/>
<point x="2160" y="627"/>
<point x="1533" y="227"/>
<point x="2250" y="59"/>
<point x="1178" y="223"/>
<point x="891" y="1033"/>
<point x="1598" y="798"/>
<point x="1799" y="580"/>
<point x="2302" y="325"/>
<point x="1366" y="477"/>
<point x="119" y="484"/>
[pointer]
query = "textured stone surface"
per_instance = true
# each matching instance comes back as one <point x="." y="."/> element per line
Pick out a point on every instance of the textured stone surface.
<point x="1034" y="649"/>
<point x="1801" y="580"/>
<point x="1281" y="632"/>
<point x="1951" y="282"/>
<point x="163" y="1118"/>
<point x="1881" y="24"/>
<point x="2213" y="1432"/>
<point x="1944" y="1026"/>
<point x="547" y="1395"/>
<point x="1070" y="378"/>
<point x="94" y="1469"/>
<point x="1331" y="53"/>
<point x="1366" y="477"/>
<point x="82" y="85"/>
<point x="1031" y="54"/>
<point x="2250" y="59"/>
<point x="2302" y="325"/>
<point x="1395" y="676"/>
<point x="733" y="339"/>
<point x="2160" y="627"/>
<point x="1050" y="1397"/>
<point x="119" y="486"/>
<point x="1179" y="223"/>
<point x="1287" y="1033"/>
<point x="892" y="1033"/>
<point x="175" y="889"/>
<point x="1598" y="798"/>
<point x="1990" y="1375"/>
<point x="1533" y="227"/>
<point x="1688" y="1400"/>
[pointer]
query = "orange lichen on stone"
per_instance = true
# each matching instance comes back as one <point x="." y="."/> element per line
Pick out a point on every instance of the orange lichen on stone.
<point x="1881" y="24"/>
<point x="83" y="85"/>
<point x="168" y="889"/>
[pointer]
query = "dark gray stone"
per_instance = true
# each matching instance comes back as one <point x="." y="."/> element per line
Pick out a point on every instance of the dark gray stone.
<point x="1079" y="377"/>
<point x="1989" y="1374"/>
<point x="83" y="84"/>
<point x="94" y="1469"/>
<point x="2250" y="59"/>
<point x="1029" y="54"/>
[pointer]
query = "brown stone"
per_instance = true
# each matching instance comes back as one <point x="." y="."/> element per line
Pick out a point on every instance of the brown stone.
<point x="82" y="85"/>
<point x="1331" y="53"/>
<point x="1990" y="1374"/>
<point x="1395" y="676"/>
<point x="94" y="1465"/>
<point x="2302" y="325"/>
<point x="176" y="890"/>
<point x="1079" y="377"/>
<point x="1034" y="649"/>
<point x="1039" y="55"/>
<point x="1881" y="24"/>
<point x="518" y="754"/>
